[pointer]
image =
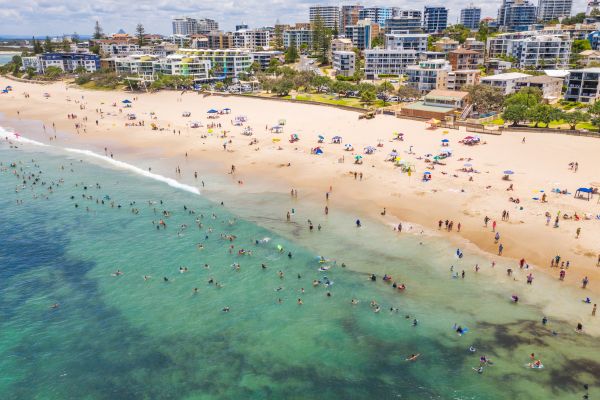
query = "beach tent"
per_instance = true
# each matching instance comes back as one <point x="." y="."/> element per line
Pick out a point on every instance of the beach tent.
<point x="318" y="151"/>
<point x="277" y="129"/>
<point x="4" y="90"/>
<point x="584" y="193"/>
<point x="336" y="139"/>
<point x="369" y="149"/>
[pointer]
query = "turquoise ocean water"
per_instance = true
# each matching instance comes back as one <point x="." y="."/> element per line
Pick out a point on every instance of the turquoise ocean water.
<point x="63" y="235"/>
<point x="5" y="58"/>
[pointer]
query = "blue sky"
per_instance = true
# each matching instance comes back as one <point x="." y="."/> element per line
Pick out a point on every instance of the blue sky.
<point x="54" y="17"/>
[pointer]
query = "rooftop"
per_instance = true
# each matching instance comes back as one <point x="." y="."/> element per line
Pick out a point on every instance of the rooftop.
<point x="461" y="50"/>
<point x="543" y="79"/>
<point x="505" y="77"/>
<point x="419" y="105"/>
<point x="446" y="94"/>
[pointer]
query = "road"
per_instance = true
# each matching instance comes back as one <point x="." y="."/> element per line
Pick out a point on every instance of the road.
<point x="305" y="65"/>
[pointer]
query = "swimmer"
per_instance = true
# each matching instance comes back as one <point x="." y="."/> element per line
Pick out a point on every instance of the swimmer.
<point x="225" y="309"/>
<point x="354" y="302"/>
<point x="117" y="273"/>
<point x="412" y="357"/>
<point x="472" y="349"/>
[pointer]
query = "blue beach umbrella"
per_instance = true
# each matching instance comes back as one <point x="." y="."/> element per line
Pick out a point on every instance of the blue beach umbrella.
<point x="126" y="101"/>
<point x="508" y="172"/>
<point x="212" y="111"/>
<point x="445" y="140"/>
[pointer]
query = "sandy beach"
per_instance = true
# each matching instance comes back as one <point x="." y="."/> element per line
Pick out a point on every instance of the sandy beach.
<point x="540" y="165"/>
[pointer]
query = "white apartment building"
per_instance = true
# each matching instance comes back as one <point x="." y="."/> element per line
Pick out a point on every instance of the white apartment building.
<point x="532" y="49"/>
<point x="119" y="49"/>
<point x="549" y="10"/>
<point x="507" y="82"/>
<point x="344" y="63"/>
<point x="224" y="62"/>
<point x="388" y="62"/>
<point x="428" y="75"/>
<point x="457" y="80"/>
<point x="583" y="85"/>
<point x="141" y="65"/>
<point x="251" y="39"/>
<point x="339" y="44"/>
<point x="185" y="26"/>
<point x="297" y="37"/>
<point x="330" y="15"/>
<point x="183" y="65"/>
<point x="398" y="40"/>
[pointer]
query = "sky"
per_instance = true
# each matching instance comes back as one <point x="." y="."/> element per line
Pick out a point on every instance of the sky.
<point x="56" y="17"/>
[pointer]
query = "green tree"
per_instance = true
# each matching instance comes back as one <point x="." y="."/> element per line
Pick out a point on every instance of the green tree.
<point x="53" y="72"/>
<point x="75" y="38"/>
<point x="65" y="45"/>
<point x="385" y="87"/>
<point x="140" y="32"/>
<point x="527" y="96"/>
<point x="368" y="96"/>
<point x="278" y="42"/>
<point x="95" y="49"/>
<point x="483" y="32"/>
<point x="542" y="113"/>
<point x="576" y="19"/>
<point x="37" y="46"/>
<point x="98" y="32"/>
<point x="594" y="112"/>
<point x="30" y="71"/>
<point x="48" y="45"/>
<point x="377" y="42"/>
<point x="458" y="32"/>
<point x="283" y="87"/>
<point x="322" y="83"/>
<point x="575" y="117"/>
<point x="515" y="113"/>
<point x="321" y="39"/>
<point x="408" y="92"/>
<point x="291" y="54"/>
<point x="485" y="98"/>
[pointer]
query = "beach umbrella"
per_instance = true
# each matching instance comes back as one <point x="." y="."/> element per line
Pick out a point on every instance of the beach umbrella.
<point x="427" y="173"/>
<point x="445" y="140"/>
<point x="393" y="154"/>
<point x="126" y="101"/>
<point x="337" y="138"/>
<point x="370" y="148"/>
<point x="321" y="137"/>
<point x="347" y="145"/>
<point x="468" y="165"/>
<point x="212" y="111"/>
<point x="357" y="157"/>
<point x="227" y="109"/>
<point x="508" y="172"/>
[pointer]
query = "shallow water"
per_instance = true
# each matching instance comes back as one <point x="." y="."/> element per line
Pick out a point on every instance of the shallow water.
<point x="124" y="337"/>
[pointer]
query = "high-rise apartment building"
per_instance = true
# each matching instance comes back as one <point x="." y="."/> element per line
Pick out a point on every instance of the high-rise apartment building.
<point x="516" y="14"/>
<point x="349" y="15"/>
<point x="330" y="15"/>
<point x="549" y="10"/>
<point x="191" y="26"/>
<point x="435" y="19"/>
<point x="378" y="15"/>
<point x="470" y="17"/>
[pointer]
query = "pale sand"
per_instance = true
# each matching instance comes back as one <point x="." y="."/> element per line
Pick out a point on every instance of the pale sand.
<point x="539" y="164"/>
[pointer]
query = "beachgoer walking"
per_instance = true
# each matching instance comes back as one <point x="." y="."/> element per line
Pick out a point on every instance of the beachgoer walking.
<point x="584" y="282"/>
<point x="594" y="310"/>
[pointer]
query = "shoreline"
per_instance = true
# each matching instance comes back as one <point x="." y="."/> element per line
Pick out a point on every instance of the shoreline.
<point x="410" y="202"/>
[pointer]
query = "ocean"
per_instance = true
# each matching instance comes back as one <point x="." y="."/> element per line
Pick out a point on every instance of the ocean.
<point x="6" y="57"/>
<point x="73" y="327"/>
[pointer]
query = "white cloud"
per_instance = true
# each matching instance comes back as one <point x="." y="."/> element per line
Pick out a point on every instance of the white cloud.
<point x="41" y="17"/>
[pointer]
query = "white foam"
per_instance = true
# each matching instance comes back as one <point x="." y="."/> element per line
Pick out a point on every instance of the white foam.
<point x="119" y="164"/>
<point x="123" y="165"/>
<point x="14" y="136"/>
